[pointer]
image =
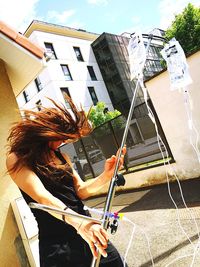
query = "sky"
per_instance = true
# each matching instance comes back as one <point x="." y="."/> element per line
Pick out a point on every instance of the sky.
<point x="98" y="16"/>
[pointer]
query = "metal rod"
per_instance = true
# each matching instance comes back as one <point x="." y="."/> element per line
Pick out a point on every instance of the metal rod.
<point x="112" y="187"/>
<point x="34" y="205"/>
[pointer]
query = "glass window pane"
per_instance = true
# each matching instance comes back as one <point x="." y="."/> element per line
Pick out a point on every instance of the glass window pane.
<point x="38" y="84"/>
<point x="65" y="90"/>
<point x="78" y="53"/>
<point x="92" y="73"/>
<point x="93" y="95"/>
<point x="66" y="72"/>
<point x="50" y="50"/>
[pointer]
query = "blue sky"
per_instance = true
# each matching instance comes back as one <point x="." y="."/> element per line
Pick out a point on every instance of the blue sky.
<point x="114" y="16"/>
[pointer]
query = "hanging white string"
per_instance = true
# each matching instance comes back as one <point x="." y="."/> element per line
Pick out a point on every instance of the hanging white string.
<point x="179" y="79"/>
<point x="193" y="255"/>
<point x="130" y="242"/>
<point x="137" y="49"/>
<point x="179" y="75"/>
<point x="193" y="133"/>
<point x="166" y="159"/>
<point x="178" y="258"/>
<point x="178" y="216"/>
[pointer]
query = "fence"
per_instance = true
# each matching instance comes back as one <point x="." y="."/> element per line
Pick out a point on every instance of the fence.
<point x="88" y="155"/>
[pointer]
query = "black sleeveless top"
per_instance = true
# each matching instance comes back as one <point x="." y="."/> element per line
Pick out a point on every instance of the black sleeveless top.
<point x="63" y="189"/>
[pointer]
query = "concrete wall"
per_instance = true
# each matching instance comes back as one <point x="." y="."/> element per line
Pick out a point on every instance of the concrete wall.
<point x="170" y="109"/>
<point x="11" y="248"/>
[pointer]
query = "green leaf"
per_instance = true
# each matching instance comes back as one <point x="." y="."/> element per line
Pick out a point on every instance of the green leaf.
<point x="98" y="115"/>
<point x="186" y="28"/>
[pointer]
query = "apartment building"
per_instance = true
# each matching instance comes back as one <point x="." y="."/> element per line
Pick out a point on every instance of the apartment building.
<point x="112" y="56"/>
<point x="71" y="68"/>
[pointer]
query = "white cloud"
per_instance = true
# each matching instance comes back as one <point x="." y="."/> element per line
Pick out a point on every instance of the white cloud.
<point x="98" y="2"/>
<point x="65" y="18"/>
<point x="136" y="25"/>
<point x="169" y="8"/>
<point x="18" y="13"/>
<point x="60" y="17"/>
<point x="76" y="25"/>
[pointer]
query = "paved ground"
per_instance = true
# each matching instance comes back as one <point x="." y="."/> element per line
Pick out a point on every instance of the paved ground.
<point x="172" y="233"/>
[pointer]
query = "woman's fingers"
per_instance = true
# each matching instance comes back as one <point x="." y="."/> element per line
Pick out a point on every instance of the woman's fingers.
<point x="105" y="234"/>
<point x="96" y="237"/>
<point x="101" y="249"/>
<point x="101" y="237"/>
<point x="93" y="249"/>
<point x="96" y="247"/>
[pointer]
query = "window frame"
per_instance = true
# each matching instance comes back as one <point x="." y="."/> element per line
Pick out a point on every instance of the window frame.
<point x="92" y="73"/>
<point x="66" y="91"/>
<point x="38" y="84"/>
<point x="80" y="56"/>
<point x="38" y="104"/>
<point x="95" y="99"/>
<point x="50" y="50"/>
<point x="68" y="74"/>
<point x="26" y="96"/>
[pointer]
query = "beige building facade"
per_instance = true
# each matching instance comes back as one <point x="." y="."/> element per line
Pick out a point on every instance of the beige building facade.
<point x="20" y="63"/>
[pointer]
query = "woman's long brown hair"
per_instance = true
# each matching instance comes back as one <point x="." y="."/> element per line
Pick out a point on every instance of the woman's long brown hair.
<point x="29" y="139"/>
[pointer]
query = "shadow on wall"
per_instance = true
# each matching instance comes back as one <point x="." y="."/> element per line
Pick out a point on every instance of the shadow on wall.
<point x="158" y="197"/>
<point x="21" y="252"/>
<point x="11" y="238"/>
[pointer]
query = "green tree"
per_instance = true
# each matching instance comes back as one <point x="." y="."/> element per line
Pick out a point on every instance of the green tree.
<point x="186" y="29"/>
<point x="98" y="114"/>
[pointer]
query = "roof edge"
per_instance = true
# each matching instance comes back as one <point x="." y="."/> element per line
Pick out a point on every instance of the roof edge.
<point x="37" y="25"/>
<point x="21" y="40"/>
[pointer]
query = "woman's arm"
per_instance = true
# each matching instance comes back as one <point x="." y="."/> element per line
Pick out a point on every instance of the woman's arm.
<point x="29" y="182"/>
<point x="91" y="187"/>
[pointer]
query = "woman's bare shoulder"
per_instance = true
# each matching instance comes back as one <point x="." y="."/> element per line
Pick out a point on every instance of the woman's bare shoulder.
<point x="11" y="159"/>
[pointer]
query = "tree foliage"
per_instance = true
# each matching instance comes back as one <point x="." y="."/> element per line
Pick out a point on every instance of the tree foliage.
<point x="186" y="29"/>
<point x="98" y="114"/>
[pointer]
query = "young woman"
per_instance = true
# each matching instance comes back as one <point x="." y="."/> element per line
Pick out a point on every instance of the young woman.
<point x="46" y="176"/>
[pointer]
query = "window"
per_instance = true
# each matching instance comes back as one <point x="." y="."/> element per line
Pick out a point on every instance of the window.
<point x="78" y="53"/>
<point x="50" y="51"/>
<point x="93" y="95"/>
<point x="92" y="74"/>
<point x="66" y="72"/>
<point x="65" y="90"/>
<point x="38" y="104"/>
<point x="38" y="84"/>
<point x="26" y="96"/>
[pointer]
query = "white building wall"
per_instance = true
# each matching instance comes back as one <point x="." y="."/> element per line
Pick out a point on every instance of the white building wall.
<point x="52" y="77"/>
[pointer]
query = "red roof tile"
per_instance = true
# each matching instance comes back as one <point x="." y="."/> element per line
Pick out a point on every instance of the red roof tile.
<point x="21" y="40"/>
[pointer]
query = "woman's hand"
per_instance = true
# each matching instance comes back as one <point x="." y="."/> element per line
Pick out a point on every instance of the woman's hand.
<point x="96" y="237"/>
<point x="110" y="163"/>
